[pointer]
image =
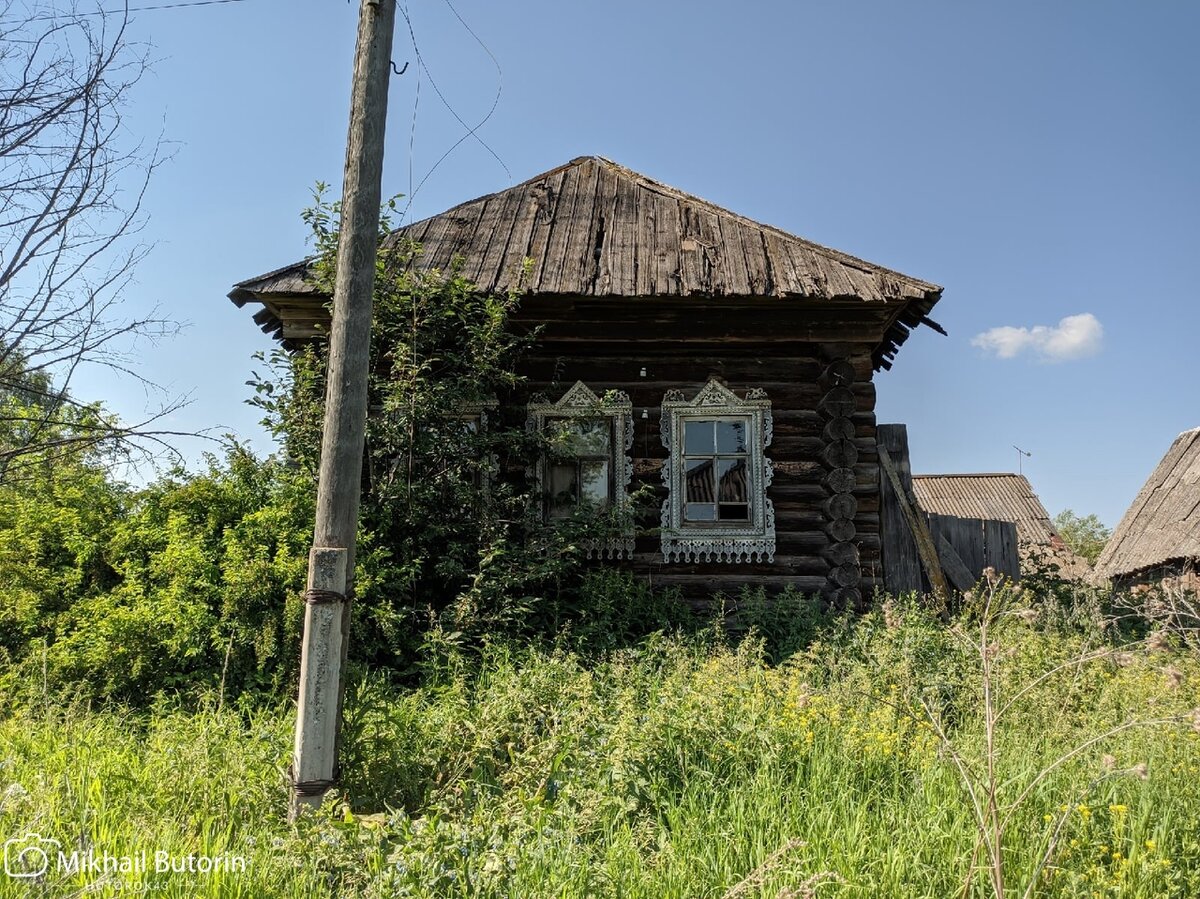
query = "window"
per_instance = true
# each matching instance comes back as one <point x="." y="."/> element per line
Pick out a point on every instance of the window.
<point x="717" y="476"/>
<point x="580" y="471"/>
<point x="586" y="466"/>
<point x="473" y="419"/>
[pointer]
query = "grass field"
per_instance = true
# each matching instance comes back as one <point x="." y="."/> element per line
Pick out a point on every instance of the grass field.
<point x="682" y="767"/>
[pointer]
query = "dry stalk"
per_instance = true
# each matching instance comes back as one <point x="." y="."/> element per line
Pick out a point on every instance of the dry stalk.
<point x="754" y="881"/>
<point x="993" y="817"/>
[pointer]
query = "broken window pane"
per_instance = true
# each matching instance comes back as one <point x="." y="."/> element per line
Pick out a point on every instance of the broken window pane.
<point x="734" y="511"/>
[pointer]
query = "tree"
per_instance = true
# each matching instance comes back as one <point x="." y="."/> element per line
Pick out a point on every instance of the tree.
<point x="1086" y="536"/>
<point x="71" y="193"/>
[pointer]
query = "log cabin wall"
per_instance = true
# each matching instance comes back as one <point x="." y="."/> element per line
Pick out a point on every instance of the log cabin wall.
<point x="826" y="483"/>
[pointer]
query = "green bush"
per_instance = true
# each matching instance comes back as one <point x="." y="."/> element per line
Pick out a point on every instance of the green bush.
<point x="191" y="583"/>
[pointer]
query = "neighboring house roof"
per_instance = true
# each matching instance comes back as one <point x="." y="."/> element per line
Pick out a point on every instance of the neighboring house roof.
<point x="595" y="228"/>
<point x="1001" y="497"/>
<point x="1163" y="523"/>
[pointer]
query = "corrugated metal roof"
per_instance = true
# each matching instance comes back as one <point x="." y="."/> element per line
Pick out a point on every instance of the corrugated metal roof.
<point x="1001" y="497"/>
<point x="595" y="228"/>
<point x="1163" y="523"/>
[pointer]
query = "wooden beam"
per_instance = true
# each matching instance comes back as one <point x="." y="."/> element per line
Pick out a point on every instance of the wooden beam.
<point x="916" y="523"/>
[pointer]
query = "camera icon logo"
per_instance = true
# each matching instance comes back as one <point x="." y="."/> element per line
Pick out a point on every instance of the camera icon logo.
<point x="29" y="856"/>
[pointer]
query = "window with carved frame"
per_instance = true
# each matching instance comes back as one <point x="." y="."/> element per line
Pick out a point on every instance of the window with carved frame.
<point x="717" y="475"/>
<point x="586" y="464"/>
<point x="473" y="418"/>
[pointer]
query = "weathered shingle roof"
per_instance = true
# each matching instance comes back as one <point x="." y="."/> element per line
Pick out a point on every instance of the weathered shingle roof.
<point x="595" y="228"/>
<point x="1163" y="523"/>
<point x="1002" y="497"/>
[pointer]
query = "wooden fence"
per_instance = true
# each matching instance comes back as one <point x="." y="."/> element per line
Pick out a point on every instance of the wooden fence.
<point x="932" y="553"/>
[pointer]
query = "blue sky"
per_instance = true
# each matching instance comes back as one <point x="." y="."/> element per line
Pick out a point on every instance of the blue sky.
<point x="1035" y="159"/>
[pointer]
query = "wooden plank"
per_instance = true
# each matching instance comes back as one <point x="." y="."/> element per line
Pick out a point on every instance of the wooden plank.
<point x="548" y="268"/>
<point x="901" y="561"/>
<point x="580" y="267"/>
<point x="1001" y="548"/>
<point x="489" y="221"/>
<point x="956" y="570"/>
<point x="695" y="246"/>
<point x="608" y="226"/>
<point x="917" y="525"/>
<point x="666" y="246"/>
<point x="758" y="265"/>
<point x="965" y="535"/>
<point x="733" y="258"/>
<point x="491" y="269"/>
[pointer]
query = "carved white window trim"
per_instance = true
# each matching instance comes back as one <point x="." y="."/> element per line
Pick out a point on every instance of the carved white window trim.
<point x="581" y="402"/>
<point x="684" y="541"/>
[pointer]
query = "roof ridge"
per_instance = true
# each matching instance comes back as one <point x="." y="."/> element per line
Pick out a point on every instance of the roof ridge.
<point x="974" y="474"/>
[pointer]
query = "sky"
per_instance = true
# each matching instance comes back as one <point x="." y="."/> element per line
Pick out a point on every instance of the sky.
<point x="1037" y="160"/>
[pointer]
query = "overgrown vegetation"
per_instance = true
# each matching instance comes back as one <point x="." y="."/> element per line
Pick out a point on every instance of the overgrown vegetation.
<point x="522" y="724"/>
<point x="673" y="768"/>
<point x="192" y="584"/>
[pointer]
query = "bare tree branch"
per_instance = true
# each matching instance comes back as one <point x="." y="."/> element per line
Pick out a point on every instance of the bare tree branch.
<point x="73" y="182"/>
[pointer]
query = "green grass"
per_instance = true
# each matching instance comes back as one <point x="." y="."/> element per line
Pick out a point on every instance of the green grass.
<point x="675" y="769"/>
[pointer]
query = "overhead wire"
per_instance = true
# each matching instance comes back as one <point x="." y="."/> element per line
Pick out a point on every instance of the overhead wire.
<point x="471" y="132"/>
<point x="121" y="10"/>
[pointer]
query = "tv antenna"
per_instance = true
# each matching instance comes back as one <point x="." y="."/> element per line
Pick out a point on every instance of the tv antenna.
<point x="1022" y="455"/>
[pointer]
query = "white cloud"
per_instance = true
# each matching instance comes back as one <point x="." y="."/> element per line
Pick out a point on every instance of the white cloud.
<point x="1075" y="337"/>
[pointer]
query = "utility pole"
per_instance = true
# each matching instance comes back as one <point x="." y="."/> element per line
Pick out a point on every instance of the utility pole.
<point x="331" y="562"/>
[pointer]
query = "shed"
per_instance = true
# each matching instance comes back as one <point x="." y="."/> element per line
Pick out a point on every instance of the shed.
<point x="1159" y="535"/>
<point x="1001" y="496"/>
<point x="737" y="362"/>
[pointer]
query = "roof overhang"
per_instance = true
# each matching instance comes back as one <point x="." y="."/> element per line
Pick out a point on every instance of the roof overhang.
<point x="596" y="231"/>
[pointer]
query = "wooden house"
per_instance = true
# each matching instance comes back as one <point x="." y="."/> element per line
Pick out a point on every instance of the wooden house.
<point x="725" y="361"/>
<point x="1158" y="538"/>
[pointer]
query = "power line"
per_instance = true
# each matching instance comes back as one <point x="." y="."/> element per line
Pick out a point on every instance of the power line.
<point x="471" y="131"/>
<point x="412" y="138"/>
<point x="128" y="9"/>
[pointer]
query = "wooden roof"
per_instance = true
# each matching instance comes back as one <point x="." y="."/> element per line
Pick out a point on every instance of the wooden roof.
<point x="1163" y="523"/>
<point x="1002" y="497"/>
<point x="597" y="229"/>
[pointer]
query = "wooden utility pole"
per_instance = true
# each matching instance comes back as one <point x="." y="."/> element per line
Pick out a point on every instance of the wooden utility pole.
<point x="331" y="562"/>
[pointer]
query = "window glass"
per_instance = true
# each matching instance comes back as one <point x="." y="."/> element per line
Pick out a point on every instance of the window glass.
<point x="732" y="475"/>
<point x="716" y="469"/>
<point x="699" y="481"/>
<point x="582" y="471"/>
<point x="731" y="436"/>
<point x="698" y="437"/>
<point x="593" y="481"/>
<point x="564" y="488"/>
<point x="586" y="436"/>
